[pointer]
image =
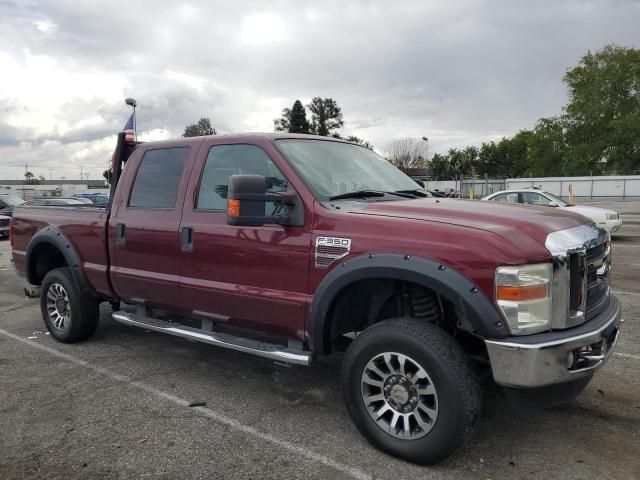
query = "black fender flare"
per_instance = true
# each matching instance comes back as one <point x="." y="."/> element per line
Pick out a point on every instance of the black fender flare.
<point x="452" y="285"/>
<point x="55" y="237"/>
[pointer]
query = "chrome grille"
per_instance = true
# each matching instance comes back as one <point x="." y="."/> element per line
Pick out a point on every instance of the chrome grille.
<point x="598" y="280"/>
<point x="4" y="222"/>
<point x="582" y="260"/>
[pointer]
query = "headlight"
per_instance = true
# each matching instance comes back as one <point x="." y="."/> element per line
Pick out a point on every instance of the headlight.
<point x="612" y="216"/>
<point x="523" y="294"/>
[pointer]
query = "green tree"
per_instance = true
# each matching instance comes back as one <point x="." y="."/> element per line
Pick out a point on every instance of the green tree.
<point x="108" y="176"/>
<point x="30" y="178"/>
<point x="439" y="167"/>
<point x="603" y="113"/>
<point x="359" y="141"/>
<point x="547" y="155"/>
<point x="326" y="116"/>
<point x="201" y="128"/>
<point x="507" y="158"/>
<point x="293" y="120"/>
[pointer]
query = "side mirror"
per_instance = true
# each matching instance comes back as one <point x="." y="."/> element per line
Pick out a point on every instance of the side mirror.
<point x="246" y="200"/>
<point x="552" y="203"/>
<point x="420" y="182"/>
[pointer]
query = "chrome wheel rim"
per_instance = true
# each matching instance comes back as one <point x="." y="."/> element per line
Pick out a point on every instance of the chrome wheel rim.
<point x="399" y="395"/>
<point x="58" y="306"/>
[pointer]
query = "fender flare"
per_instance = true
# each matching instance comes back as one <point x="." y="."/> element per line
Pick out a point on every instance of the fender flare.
<point x="452" y="285"/>
<point x="53" y="236"/>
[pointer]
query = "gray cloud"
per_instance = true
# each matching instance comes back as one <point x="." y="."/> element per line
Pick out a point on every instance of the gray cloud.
<point x="458" y="72"/>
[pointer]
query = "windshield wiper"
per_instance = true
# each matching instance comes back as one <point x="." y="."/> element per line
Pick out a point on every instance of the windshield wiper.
<point x="416" y="193"/>
<point x="359" y="194"/>
<point x="375" y="193"/>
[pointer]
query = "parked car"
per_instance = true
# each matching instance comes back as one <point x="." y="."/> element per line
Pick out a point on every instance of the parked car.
<point x="7" y="202"/>
<point x="608" y="219"/>
<point x="86" y="201"/>
<point x="50" y="201"/>
<point x="93" y="197"/>
<point x="326" y="246"/>
<point x="4" y="226"/>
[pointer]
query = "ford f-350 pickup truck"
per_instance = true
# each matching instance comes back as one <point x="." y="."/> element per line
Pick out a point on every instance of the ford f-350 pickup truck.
<point x="319" y="245"/>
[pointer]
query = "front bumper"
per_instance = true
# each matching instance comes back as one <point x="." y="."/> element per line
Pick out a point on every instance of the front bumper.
<point x="611" y="226"/>
<point x="556" y="357"/>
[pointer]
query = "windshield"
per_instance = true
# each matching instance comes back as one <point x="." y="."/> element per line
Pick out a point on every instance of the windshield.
<point x="11" y="200"/>
<point x="335" y="168"/>
<point x="558" y="200"/>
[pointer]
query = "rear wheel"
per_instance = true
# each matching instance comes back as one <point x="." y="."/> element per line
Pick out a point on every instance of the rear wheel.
<point x="409" y="389"/>
<point x="69" y="314"/>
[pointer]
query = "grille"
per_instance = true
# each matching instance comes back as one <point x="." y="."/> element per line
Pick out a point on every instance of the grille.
<point x="598" y="279"/>
<point x="4" y="222"/>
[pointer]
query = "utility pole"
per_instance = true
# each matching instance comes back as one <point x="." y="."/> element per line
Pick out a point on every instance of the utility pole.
<point x="81" y="167"/>
<point x="50" y="173"/>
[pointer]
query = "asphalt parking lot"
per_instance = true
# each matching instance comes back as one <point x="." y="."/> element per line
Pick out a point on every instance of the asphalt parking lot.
<point x="117" y="406"/>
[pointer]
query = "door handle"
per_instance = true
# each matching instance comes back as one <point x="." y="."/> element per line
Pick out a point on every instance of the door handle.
<point x="120" y="234"/>
<point x="186" y="239"/>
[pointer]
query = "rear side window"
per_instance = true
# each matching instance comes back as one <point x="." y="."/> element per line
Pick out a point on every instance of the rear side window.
<point x="158" y="178"/>
<point x="506" y="197"/>
<point x="226" y="160"/>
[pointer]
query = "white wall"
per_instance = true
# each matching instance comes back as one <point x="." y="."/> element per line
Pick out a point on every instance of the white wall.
<point x="32" y="191"/>
<point x="597" y="186"/>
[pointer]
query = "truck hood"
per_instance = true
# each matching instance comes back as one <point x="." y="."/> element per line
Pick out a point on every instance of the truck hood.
<point x="512" y="221"/>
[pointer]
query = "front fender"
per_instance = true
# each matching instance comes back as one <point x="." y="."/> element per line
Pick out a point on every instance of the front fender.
<point x="436" y="276"/>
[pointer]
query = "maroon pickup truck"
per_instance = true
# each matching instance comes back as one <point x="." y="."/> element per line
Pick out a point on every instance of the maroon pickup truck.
<point x="294" y="246"/>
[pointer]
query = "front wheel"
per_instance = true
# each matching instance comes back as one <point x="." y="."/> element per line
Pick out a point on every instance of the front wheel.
<point x="409" y="389"/>
<point x="69" y="314"/>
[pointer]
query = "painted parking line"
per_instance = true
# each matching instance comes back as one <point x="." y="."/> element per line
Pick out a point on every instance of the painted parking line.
<point x="204" y="411"/>
<point x="619" y="292"/>
<point x="627" y="355"/>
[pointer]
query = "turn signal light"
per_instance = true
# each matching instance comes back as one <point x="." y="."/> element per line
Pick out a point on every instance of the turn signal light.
<point x="519" y="293"/>
<point x="233" y="207"/>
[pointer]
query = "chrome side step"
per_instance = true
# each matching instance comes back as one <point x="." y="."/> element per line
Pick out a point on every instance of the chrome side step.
<point x="218" y="339"/>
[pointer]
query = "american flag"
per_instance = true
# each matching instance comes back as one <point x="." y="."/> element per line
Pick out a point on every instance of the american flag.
<point x="128" y="130"/>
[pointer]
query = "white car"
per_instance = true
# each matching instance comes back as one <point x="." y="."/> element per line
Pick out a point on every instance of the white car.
<point x="4" y="226"/>
<point x="607" y="219"/>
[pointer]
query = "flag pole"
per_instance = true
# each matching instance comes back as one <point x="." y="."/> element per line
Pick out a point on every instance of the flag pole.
<point x="134" y="104"/>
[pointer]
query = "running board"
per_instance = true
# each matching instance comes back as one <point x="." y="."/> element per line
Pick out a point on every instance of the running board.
<point x="218" y="339"/>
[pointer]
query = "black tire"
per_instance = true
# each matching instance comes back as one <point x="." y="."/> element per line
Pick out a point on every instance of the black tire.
<point x="437" y="353"/>
<point x="83" y="308"/>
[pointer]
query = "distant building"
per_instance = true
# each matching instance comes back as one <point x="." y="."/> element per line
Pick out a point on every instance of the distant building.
<point x="52" y="188"/>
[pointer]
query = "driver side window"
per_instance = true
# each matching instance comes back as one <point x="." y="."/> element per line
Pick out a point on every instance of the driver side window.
<point x="226" y="160"/>
<point x="534" y="198"/>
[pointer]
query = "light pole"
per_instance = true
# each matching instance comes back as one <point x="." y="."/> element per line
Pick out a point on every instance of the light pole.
<point x="134" y="104"/>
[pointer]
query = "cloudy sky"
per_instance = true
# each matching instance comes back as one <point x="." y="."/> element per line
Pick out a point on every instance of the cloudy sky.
<point x="459" y="72"/>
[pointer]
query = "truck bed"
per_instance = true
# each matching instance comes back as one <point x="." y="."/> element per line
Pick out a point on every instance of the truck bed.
<point x="83" y="225"/>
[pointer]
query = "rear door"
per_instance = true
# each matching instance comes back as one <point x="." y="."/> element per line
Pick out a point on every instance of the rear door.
<point x="143" y="229"/>
<point x="254" y="277"/>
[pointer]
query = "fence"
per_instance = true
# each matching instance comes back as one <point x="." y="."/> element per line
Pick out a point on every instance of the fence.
<point x="585" y="187"/>
<point x="470" y="188"/>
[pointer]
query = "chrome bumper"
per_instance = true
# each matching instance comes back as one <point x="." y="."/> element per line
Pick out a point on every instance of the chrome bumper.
<point x="556" y="357"/>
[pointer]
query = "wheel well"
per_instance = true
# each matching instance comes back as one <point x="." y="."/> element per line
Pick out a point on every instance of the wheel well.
<point x="44" y="258"/>
<point x="366" y="302"/>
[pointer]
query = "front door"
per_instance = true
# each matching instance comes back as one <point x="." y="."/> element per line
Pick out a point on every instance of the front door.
<point x="254" y="277"/>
